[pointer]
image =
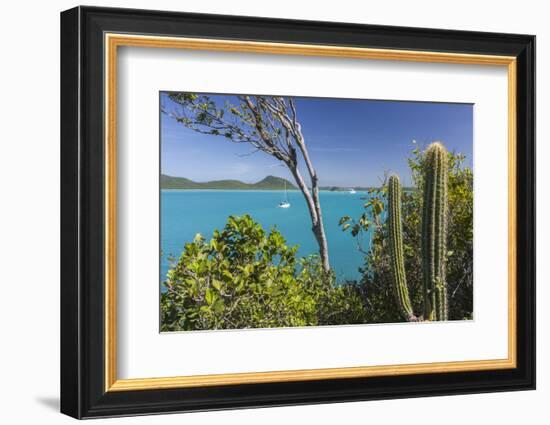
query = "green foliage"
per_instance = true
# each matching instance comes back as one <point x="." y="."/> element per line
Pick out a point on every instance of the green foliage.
<point x="362" y="227"/>
<point x="376" y="284"/>
<point x="247" y="278"/>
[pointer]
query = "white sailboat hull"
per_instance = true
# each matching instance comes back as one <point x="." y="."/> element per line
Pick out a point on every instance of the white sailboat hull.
<point x="284" y="203"/>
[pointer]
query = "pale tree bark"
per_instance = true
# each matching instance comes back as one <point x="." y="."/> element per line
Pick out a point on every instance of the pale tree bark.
<point x="268" y="123"/>
<point x="314" y="208"/>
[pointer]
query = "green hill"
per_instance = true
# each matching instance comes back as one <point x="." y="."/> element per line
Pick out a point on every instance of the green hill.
<point x="268" y="183"/>
<point x="273" y="183"/>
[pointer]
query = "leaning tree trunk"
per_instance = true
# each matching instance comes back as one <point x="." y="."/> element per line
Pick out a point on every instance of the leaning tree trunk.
<point x="314" y="207"/>
<point x="318" y="228"/>
<point x="319" y="232"/>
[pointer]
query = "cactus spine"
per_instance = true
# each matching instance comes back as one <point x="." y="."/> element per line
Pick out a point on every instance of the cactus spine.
<point x="434" y="233"/>
<point x="434" y="238"/>
<point x="395" y="229"/>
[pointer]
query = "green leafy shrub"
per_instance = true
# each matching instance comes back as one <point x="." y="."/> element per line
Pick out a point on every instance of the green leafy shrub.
<point x="247" y="278"/>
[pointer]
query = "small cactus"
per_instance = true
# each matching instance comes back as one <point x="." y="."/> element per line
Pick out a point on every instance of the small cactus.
<point x="434" y="232"/>
<point x="396" y="249"/>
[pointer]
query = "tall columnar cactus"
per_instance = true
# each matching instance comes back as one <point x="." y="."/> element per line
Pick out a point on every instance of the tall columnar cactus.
<point x="395" y="229"/>
<point x="434" y="232"/>
<point x="434" y="238"/>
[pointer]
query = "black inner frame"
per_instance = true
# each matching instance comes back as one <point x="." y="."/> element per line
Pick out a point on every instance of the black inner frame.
<point x="82" y="212"/>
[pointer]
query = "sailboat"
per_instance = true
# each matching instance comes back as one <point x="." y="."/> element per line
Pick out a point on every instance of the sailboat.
<point x="352" y="191"/>
<point x="284" y="203"/>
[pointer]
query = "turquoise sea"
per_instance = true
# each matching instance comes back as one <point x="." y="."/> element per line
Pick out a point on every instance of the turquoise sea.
<point x="185" y="213"/>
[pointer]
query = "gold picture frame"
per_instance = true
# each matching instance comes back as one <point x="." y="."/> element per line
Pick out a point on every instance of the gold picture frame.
<point x="114" y="41"/>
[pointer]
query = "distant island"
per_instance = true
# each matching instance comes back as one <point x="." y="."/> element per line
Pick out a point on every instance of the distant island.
<point x="268" y="183"/>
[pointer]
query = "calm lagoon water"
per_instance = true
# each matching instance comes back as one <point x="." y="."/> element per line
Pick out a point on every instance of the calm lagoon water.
<point x="185" y="213"/>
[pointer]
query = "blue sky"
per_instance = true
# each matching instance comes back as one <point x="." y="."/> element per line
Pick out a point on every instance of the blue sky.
<point x="351" y="142"/>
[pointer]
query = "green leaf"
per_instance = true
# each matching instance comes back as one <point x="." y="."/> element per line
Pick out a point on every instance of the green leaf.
<point x="209" y="296"/>
<point x="218" y="306"/>
<point x="217" y="284"/>
<point x="344" y="219"/>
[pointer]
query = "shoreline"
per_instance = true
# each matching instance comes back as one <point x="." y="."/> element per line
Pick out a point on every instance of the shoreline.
<point x="407" y="189"/>
<point x="256" y="190"/>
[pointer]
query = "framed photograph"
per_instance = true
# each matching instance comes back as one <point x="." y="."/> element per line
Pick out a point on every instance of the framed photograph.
<point x="261" y="212"/>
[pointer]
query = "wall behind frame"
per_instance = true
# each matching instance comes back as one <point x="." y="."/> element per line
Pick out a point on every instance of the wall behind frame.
<point x="29" y="217"/>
